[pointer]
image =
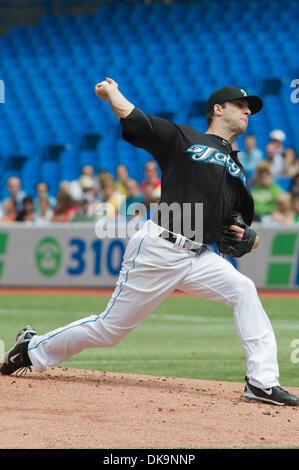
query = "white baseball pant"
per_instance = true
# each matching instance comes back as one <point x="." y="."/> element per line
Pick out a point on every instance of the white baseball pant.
<point x="152" y="269"/>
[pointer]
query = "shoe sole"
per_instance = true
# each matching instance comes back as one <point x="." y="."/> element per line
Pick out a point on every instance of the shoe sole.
<point x="19" y="339"/>
<point x="251" y="397"/>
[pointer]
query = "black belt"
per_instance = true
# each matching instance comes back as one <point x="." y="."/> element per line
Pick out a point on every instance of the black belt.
<point x="188" y="244"/>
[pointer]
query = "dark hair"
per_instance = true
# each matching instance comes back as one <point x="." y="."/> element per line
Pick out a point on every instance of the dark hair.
<point x="210" y="115"/>
<point x="64" y="202"/>
<point x="294" y="179"/>
<point x="27" y="199"/>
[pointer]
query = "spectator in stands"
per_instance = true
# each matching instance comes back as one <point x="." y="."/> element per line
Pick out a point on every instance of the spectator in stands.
<point x="235" y="145"/>
<point x="264" y="191"/>
<point x="129" y="206"/>
<point x="75" y="185"/>
<point x="44" y="212"/>
<point x="284" y="212"/>
<point x="109" y="204"/>
<point x="15" y="191"/>
<point x="277" y="138"/>
<point x="10" y="211"/>
<point x="65" y="208"/>
<point x="88" y="187"/>
<point x="151" y="175"/>
<point x="103" y="176"/>
<point x="294" y="186"/>
<point x="151" y="200"/>
<point x="252" y="155"/>
<point x="275" y="160"/>
<point x="295" y="205"/>
<point x="122" y="179"/>
<point x="86" y="209"/>
<point x="42" y="190"/>
<point x="64" y="186"/>
<point x="291" y="163"/>
<point x="27" y="214"/>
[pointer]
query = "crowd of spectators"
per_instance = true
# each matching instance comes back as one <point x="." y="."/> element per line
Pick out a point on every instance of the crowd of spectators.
<point x="85" y="199"/>
<point x="273" y="178"/>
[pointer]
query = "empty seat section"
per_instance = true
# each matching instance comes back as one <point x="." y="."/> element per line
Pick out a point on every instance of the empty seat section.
<point x="167" y="59"/>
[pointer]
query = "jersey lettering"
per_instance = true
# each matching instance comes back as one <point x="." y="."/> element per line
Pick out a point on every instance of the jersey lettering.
<point x="202" y="153"/>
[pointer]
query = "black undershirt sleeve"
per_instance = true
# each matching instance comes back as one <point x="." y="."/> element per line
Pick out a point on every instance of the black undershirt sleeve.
<point x="150" y="133"/>
<point x="136" y="125"/>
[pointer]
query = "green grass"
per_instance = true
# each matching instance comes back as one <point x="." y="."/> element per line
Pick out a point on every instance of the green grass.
<point x="183" y="337"/>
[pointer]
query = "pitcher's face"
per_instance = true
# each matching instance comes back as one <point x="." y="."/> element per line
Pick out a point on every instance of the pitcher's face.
<point x="235" y="116"/>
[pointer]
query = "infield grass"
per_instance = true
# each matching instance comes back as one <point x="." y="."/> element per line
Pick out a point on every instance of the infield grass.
<point x="183" y="337"/>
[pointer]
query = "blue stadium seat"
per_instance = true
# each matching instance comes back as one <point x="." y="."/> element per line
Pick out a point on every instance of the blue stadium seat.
<point x="87" y="157"/>
<point x="164" y="56"/>
<point x="284" y="183"/>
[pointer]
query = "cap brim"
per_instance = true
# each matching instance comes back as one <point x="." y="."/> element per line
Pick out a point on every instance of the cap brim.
<point x="255" y="103"/>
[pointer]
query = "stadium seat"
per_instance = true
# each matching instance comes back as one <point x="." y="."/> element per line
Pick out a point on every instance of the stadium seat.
<point x="284" y="183"/>
<point x="166" y="58"/>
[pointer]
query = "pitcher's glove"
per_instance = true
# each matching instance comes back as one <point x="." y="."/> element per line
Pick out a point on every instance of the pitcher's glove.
<point x="229" y="244"/>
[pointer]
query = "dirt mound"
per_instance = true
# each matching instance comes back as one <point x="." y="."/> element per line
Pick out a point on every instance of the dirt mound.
<point x="75" y="408"/>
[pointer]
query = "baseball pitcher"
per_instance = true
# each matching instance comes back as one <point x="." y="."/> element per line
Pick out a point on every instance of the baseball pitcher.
<point x="168" y="254"/>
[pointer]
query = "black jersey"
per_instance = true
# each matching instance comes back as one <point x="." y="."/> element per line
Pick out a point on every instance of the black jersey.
<point x="195" y="168"/>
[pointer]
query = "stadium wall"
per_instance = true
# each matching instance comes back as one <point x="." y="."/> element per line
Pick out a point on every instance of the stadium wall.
<point x="74" y="256"/>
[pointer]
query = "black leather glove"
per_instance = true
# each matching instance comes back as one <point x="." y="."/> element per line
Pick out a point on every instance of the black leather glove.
<point x="229" y="244"/>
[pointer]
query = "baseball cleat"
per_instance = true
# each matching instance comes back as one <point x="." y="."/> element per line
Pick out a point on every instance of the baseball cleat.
<point x="17" y="358"/>
<point x="274" y="395"/>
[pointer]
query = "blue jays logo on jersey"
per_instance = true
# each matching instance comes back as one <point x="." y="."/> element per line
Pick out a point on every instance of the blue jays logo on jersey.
<point x="202" y="153"/>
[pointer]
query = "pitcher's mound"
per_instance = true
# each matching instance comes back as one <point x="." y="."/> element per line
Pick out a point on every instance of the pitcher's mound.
<point x="75" y="408"/>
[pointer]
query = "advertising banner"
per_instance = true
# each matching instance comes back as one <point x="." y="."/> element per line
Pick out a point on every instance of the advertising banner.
<point x="61" y="255"/>
<point x="275" y="263"/>
<point x="72" y="255"/>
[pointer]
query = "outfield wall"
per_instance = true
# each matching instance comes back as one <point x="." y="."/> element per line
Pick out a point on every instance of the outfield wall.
<point x="61" y="255"/>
